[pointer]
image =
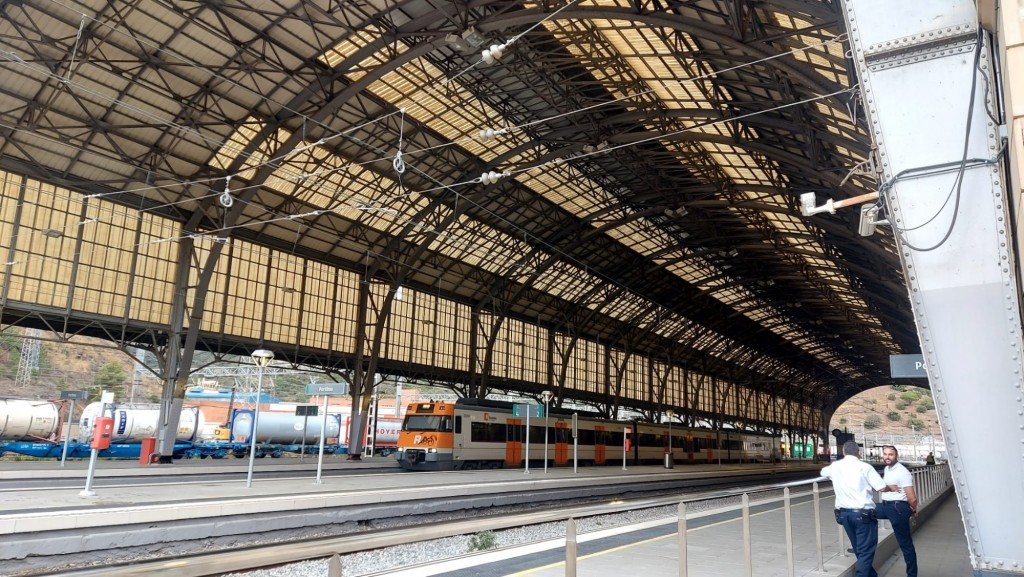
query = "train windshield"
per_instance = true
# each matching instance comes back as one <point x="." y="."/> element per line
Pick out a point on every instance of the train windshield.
<point x="426" y="423"/>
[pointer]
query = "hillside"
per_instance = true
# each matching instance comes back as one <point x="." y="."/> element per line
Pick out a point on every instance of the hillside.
<point x="90" y="364"/>
<point x="888" y="415"/>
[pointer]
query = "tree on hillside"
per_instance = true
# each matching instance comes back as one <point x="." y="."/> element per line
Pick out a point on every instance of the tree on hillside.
<point x="111" y="377"/>
<point x="910" y="396"/>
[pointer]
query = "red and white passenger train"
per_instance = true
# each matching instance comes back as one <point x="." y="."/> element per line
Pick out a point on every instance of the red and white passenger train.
<point x="474" y="434"/>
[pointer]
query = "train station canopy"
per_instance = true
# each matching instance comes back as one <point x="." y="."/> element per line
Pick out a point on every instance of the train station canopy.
<point x="626" y="171"/>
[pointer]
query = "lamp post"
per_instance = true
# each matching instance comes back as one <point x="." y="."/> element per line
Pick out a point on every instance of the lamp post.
<point x="671" y="415"/>
<point x="546" y="395"/>
<point x="262" y="357"/>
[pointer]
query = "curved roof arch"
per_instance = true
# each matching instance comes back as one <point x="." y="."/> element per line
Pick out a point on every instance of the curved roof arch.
<point x="655" y="153"/>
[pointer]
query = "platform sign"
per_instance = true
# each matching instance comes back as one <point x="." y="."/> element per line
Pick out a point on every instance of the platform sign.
<point x="74" y="395"/>
<point x="524" y="410"/>
<point x="326" y="389"/>
<point x="907" y="367"/>
<point x="306" y="410"/>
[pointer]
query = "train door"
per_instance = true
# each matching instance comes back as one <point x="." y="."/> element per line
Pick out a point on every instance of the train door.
<point x="514" y="443"/>
<point x="689" y="447"/>
<point x="562" y="433"/>
<point x="599" y="448"/>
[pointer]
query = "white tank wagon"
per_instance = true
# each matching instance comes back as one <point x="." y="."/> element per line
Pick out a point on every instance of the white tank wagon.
<point x="386" y="436"/>
<point x="23" y="420"/>
<point x="133" y="422"/>
<point x="283" y="428"/>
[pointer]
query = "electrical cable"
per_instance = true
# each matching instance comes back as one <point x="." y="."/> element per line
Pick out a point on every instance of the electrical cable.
<point x="959" y="181"/>
<point x="314" y="212"/>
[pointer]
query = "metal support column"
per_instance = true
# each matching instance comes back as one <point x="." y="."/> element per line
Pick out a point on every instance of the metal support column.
<point x="928" y="81"/>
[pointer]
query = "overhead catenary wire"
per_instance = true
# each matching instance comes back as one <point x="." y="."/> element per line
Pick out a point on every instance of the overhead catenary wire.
<point x="323" y="141"/>
<point x="302" y="215"/>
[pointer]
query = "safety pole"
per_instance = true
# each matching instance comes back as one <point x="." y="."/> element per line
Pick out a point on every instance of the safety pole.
<point x="748" y="565"/>
<point x="67" y="437"/>
<point x="527" y="471"/>
<point x="323" y="434"/>
<point x="681" y="530"/>
<point x="570" y="547"/>
<point x="790" y="563"/>
<point x="817" y="527"/>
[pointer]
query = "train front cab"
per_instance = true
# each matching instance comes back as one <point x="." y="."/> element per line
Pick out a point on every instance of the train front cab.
<point x="426" y="439"/>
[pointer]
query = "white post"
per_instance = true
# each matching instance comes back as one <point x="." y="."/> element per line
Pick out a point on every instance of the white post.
<point x="748" y="554"/>
<point x="323" y="434"/>
<point x="305" y="427"/>
<point x="575" y="443"/>
<point x="570" y="547"/>
<point x="790" y="562"/>
<point x="817" y="527"/>
<point x="547" y="400"/>
<point x="625" y="439"/>
<point x="526" y="456"/>
<point x="681" y="530"/>
<point x="262" y="358"/>
<point x="67" y="437"/>
<point x="105" y="398"/>
<point x="88" y="492"/>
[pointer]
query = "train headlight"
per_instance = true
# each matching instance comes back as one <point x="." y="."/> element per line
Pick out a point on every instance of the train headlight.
<point x="431" y="450"/>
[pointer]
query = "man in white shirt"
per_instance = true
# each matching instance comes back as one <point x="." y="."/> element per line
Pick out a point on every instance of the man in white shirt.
<point x="899" y="505"/>
<point x="853" y="481"/>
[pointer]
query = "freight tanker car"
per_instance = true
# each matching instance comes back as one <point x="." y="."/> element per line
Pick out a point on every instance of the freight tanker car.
<point x="136" y="421"/>
<point x="25" y="420"/>
<point x="385" y="440"/>
<point x="475" y="434"/>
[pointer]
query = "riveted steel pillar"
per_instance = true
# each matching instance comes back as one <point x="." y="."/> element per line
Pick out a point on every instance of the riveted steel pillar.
<point x="928" y="84"/>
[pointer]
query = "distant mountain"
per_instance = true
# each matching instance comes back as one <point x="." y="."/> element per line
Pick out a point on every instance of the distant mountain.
<point x="888" y="414"/>
<point x="65" y="366"/>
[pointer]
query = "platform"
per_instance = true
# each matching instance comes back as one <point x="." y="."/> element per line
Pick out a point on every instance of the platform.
<point x="715" y="549"/>
<point x="715" y="545"/>
<point x="941" y="545"/>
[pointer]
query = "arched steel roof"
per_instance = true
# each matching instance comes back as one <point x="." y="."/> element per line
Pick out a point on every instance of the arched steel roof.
<point x="651" y="154"/>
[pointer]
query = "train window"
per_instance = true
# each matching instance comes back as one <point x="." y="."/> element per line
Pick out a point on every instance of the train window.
<point x="650" y="440"/>
<point x="514" y="433"/>
<point x="458" y="424"/>
<point x="487" y="432"/>
<point x="446" y="424"/>
<point x="586" y="437"/>
<point x="422" y="423"/>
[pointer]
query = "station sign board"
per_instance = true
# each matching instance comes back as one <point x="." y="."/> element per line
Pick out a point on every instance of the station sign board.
<point x="523" y="410"/>
<point x="907" y="367"/>
<point x="74" y="395"/>
<point x="326" y="389"/>
<point x="306" y="410"/>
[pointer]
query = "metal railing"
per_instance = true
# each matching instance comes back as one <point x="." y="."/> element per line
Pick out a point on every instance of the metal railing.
<point x="930" y="483"/>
